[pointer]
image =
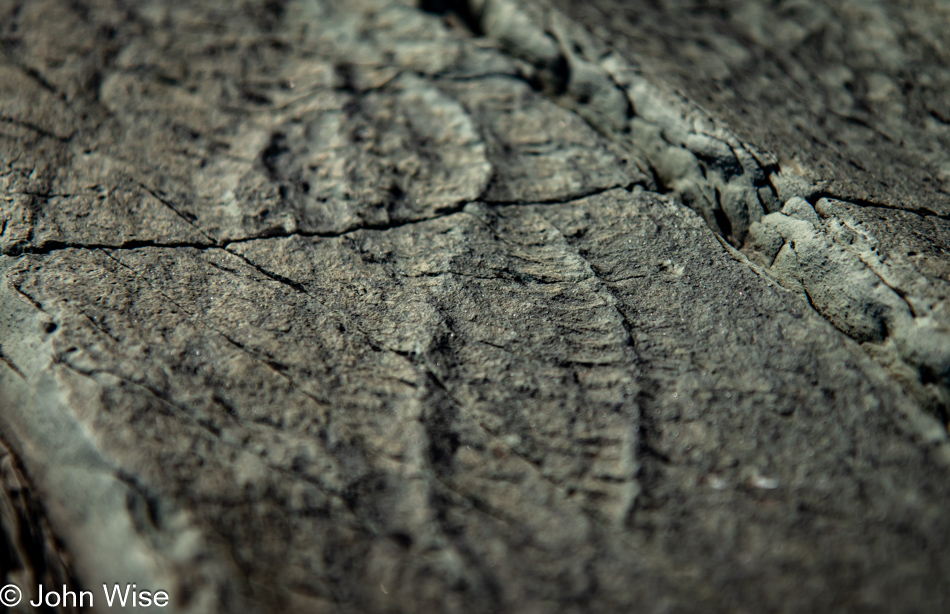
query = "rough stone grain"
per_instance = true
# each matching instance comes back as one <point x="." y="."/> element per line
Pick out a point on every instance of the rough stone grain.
<point x="382" y="307"/>
<point x="851" y="96"/>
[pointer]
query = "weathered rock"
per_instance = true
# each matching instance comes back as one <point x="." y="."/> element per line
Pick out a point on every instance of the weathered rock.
<point x="376" y="307"/>
<point x="890" y="294"/>
<point x="850" y="96"/>
<point x="733" y="184"/>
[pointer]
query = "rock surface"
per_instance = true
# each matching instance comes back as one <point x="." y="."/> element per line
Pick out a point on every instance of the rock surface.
<point x="850" y="95"/>
<point x="379" y="306"/>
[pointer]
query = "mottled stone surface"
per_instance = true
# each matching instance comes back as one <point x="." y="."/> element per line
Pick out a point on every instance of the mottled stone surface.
<point x="375" y="307"/>
<point x="851" y="95"/>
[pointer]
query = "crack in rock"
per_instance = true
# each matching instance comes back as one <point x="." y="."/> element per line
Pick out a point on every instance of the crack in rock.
<point x="360" y="307"/>
<point x="691" y="157"/>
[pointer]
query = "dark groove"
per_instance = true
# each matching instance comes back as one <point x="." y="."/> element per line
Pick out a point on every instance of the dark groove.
<point x="187" y="218"/>
<point x="271" y="275"/>
<point x="460" y="8"/>
<point x="54" y="246"/>
<point x="5" y="360"/>
<point x="814" y="197"/>
<point x="37" y="129"/>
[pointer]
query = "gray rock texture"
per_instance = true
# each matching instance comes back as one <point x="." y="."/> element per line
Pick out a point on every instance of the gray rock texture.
<point x="850" y="95"/>
<point x="486" y="306"/>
